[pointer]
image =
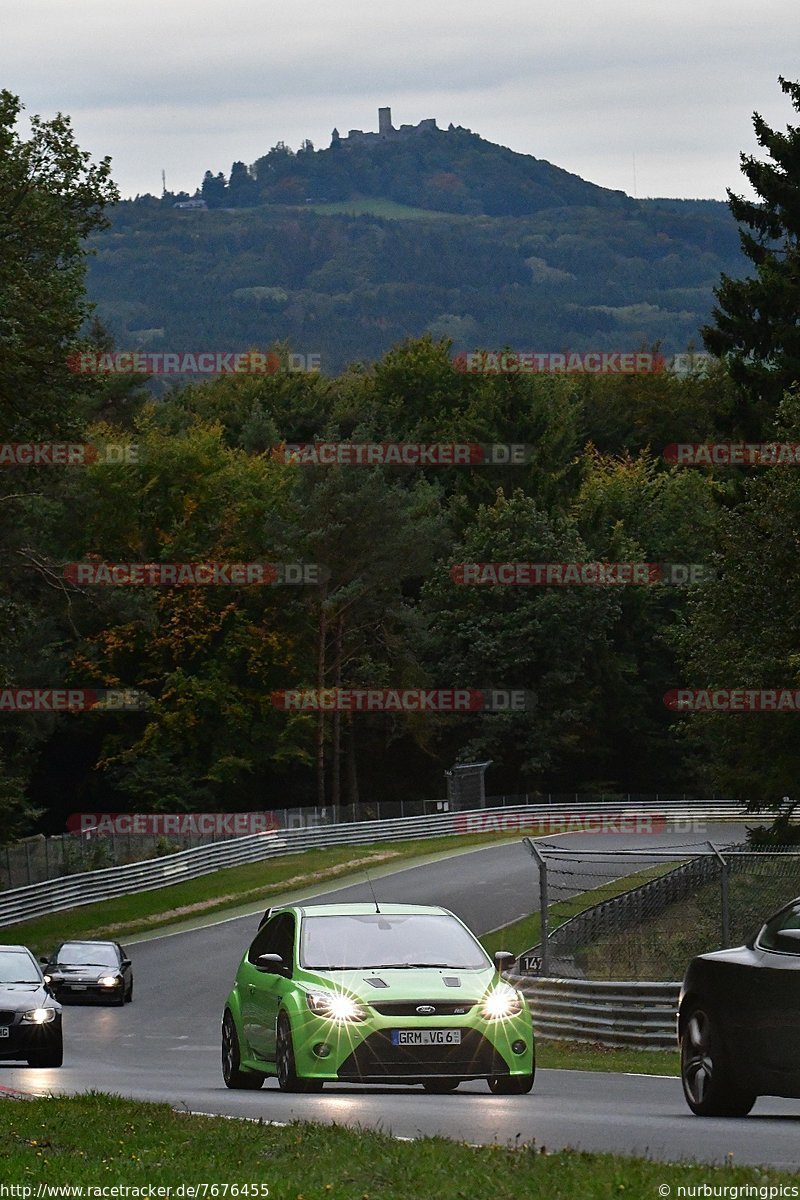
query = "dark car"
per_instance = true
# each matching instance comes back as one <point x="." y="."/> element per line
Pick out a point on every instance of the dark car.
<point x="739" y="1021"/>
<point x="30" y="1017"/>
<point x="90" y="971"/>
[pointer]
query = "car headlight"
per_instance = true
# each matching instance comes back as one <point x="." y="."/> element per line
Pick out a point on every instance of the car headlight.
<point x="109" y="980"/>
<point x="335" y="1006"/>
<point x="501" y="1003"/>
<point x="39" y="1016"/>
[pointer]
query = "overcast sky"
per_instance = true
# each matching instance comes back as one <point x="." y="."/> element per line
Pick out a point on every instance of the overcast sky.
<point x="653" y="98"/>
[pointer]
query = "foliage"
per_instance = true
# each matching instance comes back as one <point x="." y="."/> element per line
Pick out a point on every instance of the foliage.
<point x="755" y="326"/>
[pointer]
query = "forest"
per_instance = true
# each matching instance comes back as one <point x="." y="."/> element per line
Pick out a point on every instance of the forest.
<point x="205" y="479"/>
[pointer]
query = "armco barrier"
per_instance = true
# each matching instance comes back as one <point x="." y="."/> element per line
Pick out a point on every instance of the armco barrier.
<point x="642" y="1015"/>
<point x="72" y="891"/>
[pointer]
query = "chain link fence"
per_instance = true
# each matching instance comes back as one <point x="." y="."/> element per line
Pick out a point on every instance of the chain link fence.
<point x="642" y="915"/>
<point x="35" y="859"/>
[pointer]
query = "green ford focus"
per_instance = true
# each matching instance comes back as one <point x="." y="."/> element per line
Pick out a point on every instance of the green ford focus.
<point x="362" y="993"/>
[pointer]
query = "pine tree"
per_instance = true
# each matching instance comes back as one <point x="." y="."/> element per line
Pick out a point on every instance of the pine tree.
<point x="756" y="328"/>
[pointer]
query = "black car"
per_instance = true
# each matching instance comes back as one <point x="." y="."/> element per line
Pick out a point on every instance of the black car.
<point x="739" y="1021"/>
<point x="30" y="1017"/>
<point x="90" y="971"/>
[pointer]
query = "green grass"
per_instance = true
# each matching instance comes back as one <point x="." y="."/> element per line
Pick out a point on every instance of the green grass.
<point x="377" y="206"/>
<point x="660" y="948"/>
<point x="98" y="1140"/>
<point x="523" y="934"/>
<point x="226" y="891"/>
<point x="585" y="1056"/>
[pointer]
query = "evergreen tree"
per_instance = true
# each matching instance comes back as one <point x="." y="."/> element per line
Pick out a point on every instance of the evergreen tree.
<point x="755" y="321"/>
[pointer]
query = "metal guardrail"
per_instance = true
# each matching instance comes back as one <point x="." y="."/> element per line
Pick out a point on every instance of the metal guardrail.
<point x="72" y="891"/>
<point x="617" y="1014"/>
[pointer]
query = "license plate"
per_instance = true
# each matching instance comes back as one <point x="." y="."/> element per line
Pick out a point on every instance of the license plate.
<point x="78" y="987"/>
<point x="426" y="1037"/>
<point x="4" y="1031"/>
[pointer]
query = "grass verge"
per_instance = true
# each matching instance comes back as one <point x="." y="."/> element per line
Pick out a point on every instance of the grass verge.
<point x="229" y="889"/>
<point x="586" y="1056"/>
<point x="661" y="946"/>
<point x="522" y="935"/>
<point x="99" y="1140"/>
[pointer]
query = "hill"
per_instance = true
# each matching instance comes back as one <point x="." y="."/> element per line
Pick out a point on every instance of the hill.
<point x="438" y="231"/>
<point x="452" y="170"/>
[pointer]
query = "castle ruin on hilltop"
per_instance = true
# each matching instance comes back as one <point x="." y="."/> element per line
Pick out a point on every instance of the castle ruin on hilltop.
<point x="386" y="131"/>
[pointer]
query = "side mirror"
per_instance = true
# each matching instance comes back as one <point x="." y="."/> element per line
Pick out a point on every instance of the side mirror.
<point x="44" y="961"/>
<point x="503" y="960"/>
<point x="126" y="962"/>
<point x="270" y="964"/>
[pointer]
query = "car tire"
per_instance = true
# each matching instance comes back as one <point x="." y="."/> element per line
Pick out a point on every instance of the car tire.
<point x="53" y="1056"/>
<point x="440" y="1087"/>
<point x="705" y="1074"/>
<point x="232" y="1073"/>
<point x="285" y="1066"/>
<point x="510" y="1085"/>
<point x="129" y="996"/>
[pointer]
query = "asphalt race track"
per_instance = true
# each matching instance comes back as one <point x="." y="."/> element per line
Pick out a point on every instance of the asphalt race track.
<point x="165" y="1046"/>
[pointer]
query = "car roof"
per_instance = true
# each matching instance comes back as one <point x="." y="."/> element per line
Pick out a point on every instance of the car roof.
<point x="78" y="941"/>
<point x="17" y="949"/>
<point x="365" y="910"/>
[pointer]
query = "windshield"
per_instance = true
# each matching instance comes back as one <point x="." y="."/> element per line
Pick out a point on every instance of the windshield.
<point x="79" y="954"/>
<point x="374" y="941"/>
<point x="18" y="967"/>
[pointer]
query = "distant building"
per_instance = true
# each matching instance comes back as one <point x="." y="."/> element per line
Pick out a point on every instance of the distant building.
<point x="196" y="202"/>
<point x="386" y="131"/>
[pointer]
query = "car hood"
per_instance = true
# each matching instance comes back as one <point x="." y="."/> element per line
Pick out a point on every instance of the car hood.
<point x="81" y="972"/>
<point x="412" y="983"/>
<point x="23" y="995"/>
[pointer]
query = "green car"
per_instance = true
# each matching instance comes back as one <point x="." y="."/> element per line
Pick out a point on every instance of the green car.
<point x="361" y="993"/>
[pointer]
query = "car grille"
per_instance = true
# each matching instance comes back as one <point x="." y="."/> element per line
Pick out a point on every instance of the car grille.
<point x="7" y="1018"/>
<point x="408" y="1008"/>
<point x="376" y="1058"/>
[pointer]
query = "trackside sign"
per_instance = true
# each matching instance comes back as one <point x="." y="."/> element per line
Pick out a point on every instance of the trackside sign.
<point x="218" y="825"/>
<point x="545" y="823"/>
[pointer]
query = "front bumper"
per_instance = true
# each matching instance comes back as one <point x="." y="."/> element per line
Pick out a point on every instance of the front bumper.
<point x="84" y="989"/>
<point x="22" y="1040"/>
<point x="364" y="1052"/>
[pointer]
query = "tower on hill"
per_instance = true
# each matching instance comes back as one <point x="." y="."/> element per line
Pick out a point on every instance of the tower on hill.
<point x="386" y="131"/>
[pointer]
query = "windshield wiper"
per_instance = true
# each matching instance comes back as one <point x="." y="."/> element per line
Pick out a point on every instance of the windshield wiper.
<point x="407" y="966"/>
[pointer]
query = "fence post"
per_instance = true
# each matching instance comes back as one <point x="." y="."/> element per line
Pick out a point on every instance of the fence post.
<point x="544" y="924"/>
<point x="724" y="899"/>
